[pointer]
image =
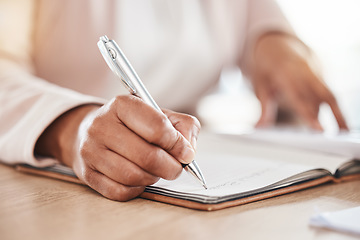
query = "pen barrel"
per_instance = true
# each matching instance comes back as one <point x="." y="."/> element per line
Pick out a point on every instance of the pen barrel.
<point x="146" y="97"/>
<point x="132" y="80"/>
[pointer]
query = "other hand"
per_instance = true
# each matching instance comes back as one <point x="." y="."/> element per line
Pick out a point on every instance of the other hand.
<point x="284" y="74"/>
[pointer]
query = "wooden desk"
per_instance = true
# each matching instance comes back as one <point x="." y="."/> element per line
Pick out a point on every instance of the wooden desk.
<point x="33" y="207"/>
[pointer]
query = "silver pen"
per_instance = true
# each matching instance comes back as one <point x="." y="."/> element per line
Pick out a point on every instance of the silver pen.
<point x="119" y="64"/>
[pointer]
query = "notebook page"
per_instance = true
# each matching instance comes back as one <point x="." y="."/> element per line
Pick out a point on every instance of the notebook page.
<point x="228" y="174"/>
<point x="345" y="144"/>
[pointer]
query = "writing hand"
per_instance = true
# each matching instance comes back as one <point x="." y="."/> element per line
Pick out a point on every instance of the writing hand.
<point x="125" y="145"/>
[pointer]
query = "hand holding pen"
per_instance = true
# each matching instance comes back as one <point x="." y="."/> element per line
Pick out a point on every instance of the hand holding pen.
<point x="127" y="145"/>
<point x="121" y="67"/>
<point x="121" y="147"/>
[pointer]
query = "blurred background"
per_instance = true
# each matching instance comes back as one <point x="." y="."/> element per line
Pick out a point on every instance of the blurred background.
<point x="332" y="29"/>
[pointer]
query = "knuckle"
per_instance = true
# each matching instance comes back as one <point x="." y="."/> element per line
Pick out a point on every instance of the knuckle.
<point x="196" y="122"/>
<point x="160" y="127"/>
<point x="123" y="100"/>
<point x="193" y="121"/>
<point x="120" y="100"/>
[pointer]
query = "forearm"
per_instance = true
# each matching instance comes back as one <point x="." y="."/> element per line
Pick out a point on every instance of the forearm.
<point x="28" y="105"/>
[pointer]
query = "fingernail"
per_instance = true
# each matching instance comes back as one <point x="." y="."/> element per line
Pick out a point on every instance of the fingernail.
<point x="187" y="155"/>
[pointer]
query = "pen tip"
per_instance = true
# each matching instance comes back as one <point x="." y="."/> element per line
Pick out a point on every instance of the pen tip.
<point x="204" y="185"/>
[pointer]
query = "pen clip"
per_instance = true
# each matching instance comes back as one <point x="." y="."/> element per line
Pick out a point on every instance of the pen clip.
<point x="109" y="53"/>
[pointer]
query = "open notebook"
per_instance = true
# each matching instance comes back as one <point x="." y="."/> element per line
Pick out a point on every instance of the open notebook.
<point x="234" y="178"/>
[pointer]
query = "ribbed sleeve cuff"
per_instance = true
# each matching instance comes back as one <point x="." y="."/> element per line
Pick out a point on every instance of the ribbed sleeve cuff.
<point x="29" y="106"/>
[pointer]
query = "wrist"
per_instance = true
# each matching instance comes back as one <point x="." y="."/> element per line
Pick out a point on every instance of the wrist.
<point x="59" y="140"/>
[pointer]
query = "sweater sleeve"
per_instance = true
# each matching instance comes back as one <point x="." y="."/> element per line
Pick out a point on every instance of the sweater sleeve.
<point x="263" y="16"/>
<point x="28" y="104"/>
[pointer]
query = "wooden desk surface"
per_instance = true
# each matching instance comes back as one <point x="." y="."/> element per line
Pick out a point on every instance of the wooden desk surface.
<point x="33" y="207"/>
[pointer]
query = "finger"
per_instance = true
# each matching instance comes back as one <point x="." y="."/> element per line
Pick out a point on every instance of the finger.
<point x="299" y="88"/>
<point x="306" y="111"/>
<point x="301" y="98"/>
<point x="326" y="96"/>
<point x="337" y="113"/>
<point x="150" y="158"/>
<point x="268" y="114"/>
<point x="265" y="94"/>
<point x="268" y="109"/>
<point x="108" y="187"/>
<point x="189" y="126"/>
<point x="121" y="169"/>
<point x="154" y="127"/>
